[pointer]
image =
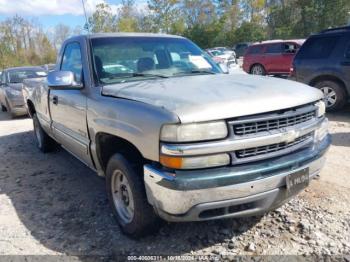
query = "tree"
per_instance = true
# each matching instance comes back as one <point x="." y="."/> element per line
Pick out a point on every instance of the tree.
<point x="45" y="49"/>
<point x="249" y="32"/>
<point x="23" y="42"/>
<point x="300" y="18"/>
<point x="164" y="13"/>
<point x="127" y="17"/>
<point x="198" y="12"/>
<point x="102" y="20"/>
<point x="61" y="33"/>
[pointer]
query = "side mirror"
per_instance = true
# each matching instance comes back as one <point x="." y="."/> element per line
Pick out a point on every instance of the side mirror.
<point x="62" y="80"/>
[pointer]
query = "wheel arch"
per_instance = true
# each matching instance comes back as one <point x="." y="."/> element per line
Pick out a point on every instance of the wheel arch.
<point x="31" y="108"/>
<point x="333" y="78"/>
<point x="107" y="145"/>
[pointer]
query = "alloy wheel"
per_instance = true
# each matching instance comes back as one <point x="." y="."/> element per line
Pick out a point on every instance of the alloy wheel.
<point x="330" y="96"/>
<point x="257" y="70"/>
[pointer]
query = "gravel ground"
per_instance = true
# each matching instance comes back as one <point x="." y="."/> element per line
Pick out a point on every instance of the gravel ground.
<point x="52" y="204"/>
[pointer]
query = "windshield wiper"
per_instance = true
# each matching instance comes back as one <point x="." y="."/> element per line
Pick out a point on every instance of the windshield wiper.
<point x="143" y="74"/>
<point x="131" y="75"/>
<point x="197" y="71"/>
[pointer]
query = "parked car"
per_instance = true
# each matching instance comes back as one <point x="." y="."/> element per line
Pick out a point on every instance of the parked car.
<point x="48" y="67"/>
<point x="273" y="57"/>
<point x="225" y="50"/>
<point x="11" y="97"/>
<point x="241" y="48"/>
<point x="324" y="62"/>
<point x="222" y="55"/>
<point x="177" y="138"/>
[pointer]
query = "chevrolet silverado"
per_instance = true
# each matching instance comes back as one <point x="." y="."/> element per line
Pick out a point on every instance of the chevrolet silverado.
<point x="174" y="136"/>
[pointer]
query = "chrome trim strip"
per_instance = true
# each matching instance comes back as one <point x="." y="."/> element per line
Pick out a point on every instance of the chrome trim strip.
<point x="274" y="116"/>
<point x="229" y="145"/>
<point x="236" y="160"/>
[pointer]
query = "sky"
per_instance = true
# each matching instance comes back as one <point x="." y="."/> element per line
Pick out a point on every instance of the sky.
<point x="52" y="12"/>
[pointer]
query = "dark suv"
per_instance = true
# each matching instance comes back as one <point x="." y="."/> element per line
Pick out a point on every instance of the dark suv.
<point x="240" y="49"/>
<point x="324" y="62"/>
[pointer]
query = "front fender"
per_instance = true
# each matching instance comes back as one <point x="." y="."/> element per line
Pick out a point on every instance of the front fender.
<point x="136" y="122"/>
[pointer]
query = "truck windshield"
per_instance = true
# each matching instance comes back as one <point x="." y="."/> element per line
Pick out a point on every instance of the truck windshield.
<point x="121" y="59"/>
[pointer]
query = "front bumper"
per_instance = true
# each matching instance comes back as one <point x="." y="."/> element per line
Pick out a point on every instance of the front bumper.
<point x="19" y="111"/>
<point x="236" y="191"/>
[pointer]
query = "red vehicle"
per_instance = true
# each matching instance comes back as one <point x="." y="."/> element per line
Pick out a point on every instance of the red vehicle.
<point x="273" y="57"/>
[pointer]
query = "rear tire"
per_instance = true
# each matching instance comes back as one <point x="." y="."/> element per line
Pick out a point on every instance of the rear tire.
<point x="127" y="197"/>
<point x="258" y="69"/>
<point x="44" y="142"/>
<point x="335" y="94"/>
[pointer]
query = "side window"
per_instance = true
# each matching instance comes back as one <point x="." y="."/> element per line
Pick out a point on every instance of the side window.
<point x="273" y="49"/>
<point x="318" y="47"/>
<point x="71" y="60"/>
<point x="255" y="49"/>
<point x="290" y="48"/>
<point x="175" y="56"/>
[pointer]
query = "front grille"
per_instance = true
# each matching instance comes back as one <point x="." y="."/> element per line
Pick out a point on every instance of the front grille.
<point x="260" y="125"/>
<point x="270" y="149"/>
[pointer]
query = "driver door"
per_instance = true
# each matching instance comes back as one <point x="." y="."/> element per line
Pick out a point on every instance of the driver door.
<point x="68" y="108"/>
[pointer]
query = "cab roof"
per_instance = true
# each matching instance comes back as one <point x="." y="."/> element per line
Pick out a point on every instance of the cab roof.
<point x="104" y="35"/>
<point x="342" y="29"/>
<point x="298" y="41"/>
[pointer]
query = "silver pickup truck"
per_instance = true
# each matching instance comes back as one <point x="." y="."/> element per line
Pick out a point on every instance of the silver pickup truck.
<point x="174" y="137"/>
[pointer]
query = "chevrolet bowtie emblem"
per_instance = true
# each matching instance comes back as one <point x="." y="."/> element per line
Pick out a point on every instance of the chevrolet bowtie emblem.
<point x="290" y="136"/>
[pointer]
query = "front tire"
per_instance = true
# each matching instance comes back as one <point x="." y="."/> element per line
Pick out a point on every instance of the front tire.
<point x="44" y="142"/>
<point x="127" y="197"/>
<point x="335" y="94"/>
<point x="258" y="70"/>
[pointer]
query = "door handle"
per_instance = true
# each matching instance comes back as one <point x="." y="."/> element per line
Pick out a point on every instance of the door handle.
<point x="55" y="100"/>
<point x="345" y="63"/>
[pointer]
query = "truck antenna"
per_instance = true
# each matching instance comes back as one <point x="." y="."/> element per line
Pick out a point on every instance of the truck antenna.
<point x="86" y="18"/>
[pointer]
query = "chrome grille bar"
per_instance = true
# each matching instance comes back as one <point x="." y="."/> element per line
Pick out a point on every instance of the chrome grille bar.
<point x="265" y="123"/>
<point x="269" y="151"/>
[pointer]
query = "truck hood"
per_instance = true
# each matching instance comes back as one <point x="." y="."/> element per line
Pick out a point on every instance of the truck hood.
<point x="212" y="97"/>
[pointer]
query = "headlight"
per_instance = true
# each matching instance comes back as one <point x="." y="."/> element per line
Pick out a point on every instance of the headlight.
<point x="322" y="131"/>
<point x="194" y="132"/>
<point x="195" y="162"/>
<point x="321" y="108"/>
